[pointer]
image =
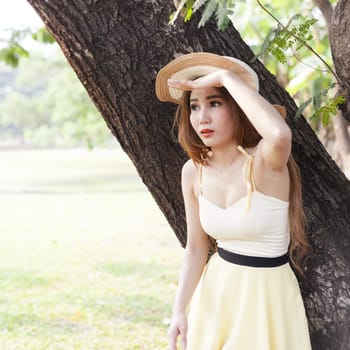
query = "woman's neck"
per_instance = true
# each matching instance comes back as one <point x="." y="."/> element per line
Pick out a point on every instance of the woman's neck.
<point x="223" y="158"/>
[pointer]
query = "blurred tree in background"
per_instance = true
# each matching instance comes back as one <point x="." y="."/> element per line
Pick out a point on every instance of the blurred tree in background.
<point x="42" y="103"/>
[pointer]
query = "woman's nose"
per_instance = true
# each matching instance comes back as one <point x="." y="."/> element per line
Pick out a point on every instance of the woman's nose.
<point x="203" y="116"/>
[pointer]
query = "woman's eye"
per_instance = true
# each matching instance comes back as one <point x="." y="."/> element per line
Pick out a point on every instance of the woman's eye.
<point x="194" y="107"/>
<point x="215" y="103"/>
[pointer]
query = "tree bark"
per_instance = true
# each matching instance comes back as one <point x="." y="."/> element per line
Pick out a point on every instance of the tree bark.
<point x="116" y="49"/>
<point x="339" y="36"/>
<point x="342" y="139"/>
<point x="341" y="132"/>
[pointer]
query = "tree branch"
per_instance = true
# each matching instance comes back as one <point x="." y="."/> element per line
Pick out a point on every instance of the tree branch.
<point x="300" y="40"/>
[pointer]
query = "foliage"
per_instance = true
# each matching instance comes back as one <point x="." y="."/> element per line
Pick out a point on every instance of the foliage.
<point x="329" y="109"/>
<point x="285" y="48"/>
<point x="43" y="36"/>
<point x="13" y="50"/>
<point x="47" y="106"/>
<point x="282" y="38"/>
<point x="221" y="9"/>
<point x="186" y="8"/>
<point x="322" y="111"/>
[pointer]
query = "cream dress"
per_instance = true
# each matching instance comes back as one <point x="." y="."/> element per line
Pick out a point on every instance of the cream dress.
<point x="238" y="307"/>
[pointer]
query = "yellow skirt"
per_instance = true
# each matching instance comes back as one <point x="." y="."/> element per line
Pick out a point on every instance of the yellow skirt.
<point x="238" y="307"/>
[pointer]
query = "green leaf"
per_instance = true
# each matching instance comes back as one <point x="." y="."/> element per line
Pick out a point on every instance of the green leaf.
<point x="43" y="36"/>
<point x="188" y="10"/>
<point x="224" y="10"/>
<point x="302" y="107"/>
<point x="295" y="17"/>
<point x="328" y="109"/>
<point x="209" y="10"/>
<point x="189" y="14"/>
<point x="175" y="14"/>
<point x="283" y="38"/>
<point x="266" y="44"/>
<point x="198" y="4"/>
<point x="316" y="101"/>
<point x="12" y="54"/>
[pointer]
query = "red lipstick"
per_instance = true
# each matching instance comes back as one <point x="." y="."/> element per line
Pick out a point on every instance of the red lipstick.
<point x="207" y="132"/>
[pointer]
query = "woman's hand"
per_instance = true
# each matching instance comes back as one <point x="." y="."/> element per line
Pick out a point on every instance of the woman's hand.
<point x="215" y="79"/>
<point x="177" y="327"/>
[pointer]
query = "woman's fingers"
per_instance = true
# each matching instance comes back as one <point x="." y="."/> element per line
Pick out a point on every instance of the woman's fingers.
<point x="181" y="84"/>
<point x="210" y="80"/>
<point x="184" y="340"/>
<point x="183" y="333"/>
<point x="172" y="339"/>
<point x="179" y="328"/>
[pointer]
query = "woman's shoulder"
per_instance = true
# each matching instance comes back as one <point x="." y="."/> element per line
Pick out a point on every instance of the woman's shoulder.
<point x="190" y="168"/>
<point x="189" y="175"/>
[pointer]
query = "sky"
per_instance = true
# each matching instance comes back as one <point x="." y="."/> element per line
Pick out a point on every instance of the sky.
<point x="17" y="14"/>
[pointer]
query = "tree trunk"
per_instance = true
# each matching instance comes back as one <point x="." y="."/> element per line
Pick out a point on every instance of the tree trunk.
<point x="326" y="10"/>
<point x="339" y="37"/>
<point x="116" y="49"/>
<point x="342" y="138"/>
<point x="341" y="150"/>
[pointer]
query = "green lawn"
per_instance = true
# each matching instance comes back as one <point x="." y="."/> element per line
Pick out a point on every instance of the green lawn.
<point x="87" y="261"/>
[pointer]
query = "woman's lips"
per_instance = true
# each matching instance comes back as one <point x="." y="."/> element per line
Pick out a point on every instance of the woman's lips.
<point x="207" y="132"/>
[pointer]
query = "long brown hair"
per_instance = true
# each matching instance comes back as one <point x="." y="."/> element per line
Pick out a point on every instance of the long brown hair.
<point x="247" y="136"/>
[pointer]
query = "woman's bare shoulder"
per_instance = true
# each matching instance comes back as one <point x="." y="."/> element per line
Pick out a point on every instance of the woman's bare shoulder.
<point x="189" y="175"/>
<point x="190" y="168"/>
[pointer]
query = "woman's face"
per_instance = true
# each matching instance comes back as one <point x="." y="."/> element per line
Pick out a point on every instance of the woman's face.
<point x="213" y="117"/>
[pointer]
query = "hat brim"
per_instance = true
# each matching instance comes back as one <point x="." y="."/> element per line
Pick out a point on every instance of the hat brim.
<point x="195" y="65"/>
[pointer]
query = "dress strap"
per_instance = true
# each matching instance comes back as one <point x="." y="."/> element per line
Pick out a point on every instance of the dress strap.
<point x="200" y="178"/>
<point x="248" y="174"/>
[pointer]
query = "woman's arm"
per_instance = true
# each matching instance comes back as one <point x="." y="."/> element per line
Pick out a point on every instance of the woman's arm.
<point x="276" y="134"/>
<point x="195" y="257"/>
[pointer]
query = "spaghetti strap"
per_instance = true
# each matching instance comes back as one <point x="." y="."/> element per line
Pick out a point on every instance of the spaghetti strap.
<point x="200" y="178"/>
<point x="248" y="174"/>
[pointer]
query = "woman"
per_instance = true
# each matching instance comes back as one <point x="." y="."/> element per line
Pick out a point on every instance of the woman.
<point x="241" y="187"/>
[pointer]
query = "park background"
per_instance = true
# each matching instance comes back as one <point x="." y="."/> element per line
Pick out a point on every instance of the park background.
<point x="87" y="260"/>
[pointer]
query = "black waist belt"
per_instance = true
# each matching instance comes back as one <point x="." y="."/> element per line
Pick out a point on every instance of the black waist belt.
<point x="253" y="261"/>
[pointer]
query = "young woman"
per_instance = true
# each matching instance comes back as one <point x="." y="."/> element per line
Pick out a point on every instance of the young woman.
<point x="242" y="187"/>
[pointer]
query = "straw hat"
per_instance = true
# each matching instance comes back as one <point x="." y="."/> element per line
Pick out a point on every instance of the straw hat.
<point x="194" y="65"/>
<point x="198" y="64"/>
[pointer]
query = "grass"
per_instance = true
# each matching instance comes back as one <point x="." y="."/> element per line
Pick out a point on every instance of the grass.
<point x="87" y="261"/>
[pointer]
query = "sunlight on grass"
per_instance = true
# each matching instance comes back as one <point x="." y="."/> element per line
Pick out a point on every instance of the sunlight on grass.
<point x="67" y="170"/>
<point x="91" y="268"/>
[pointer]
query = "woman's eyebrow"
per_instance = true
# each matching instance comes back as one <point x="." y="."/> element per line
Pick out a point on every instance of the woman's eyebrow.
<point x="213" y="96"/>
<point x="207" y="98"/>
